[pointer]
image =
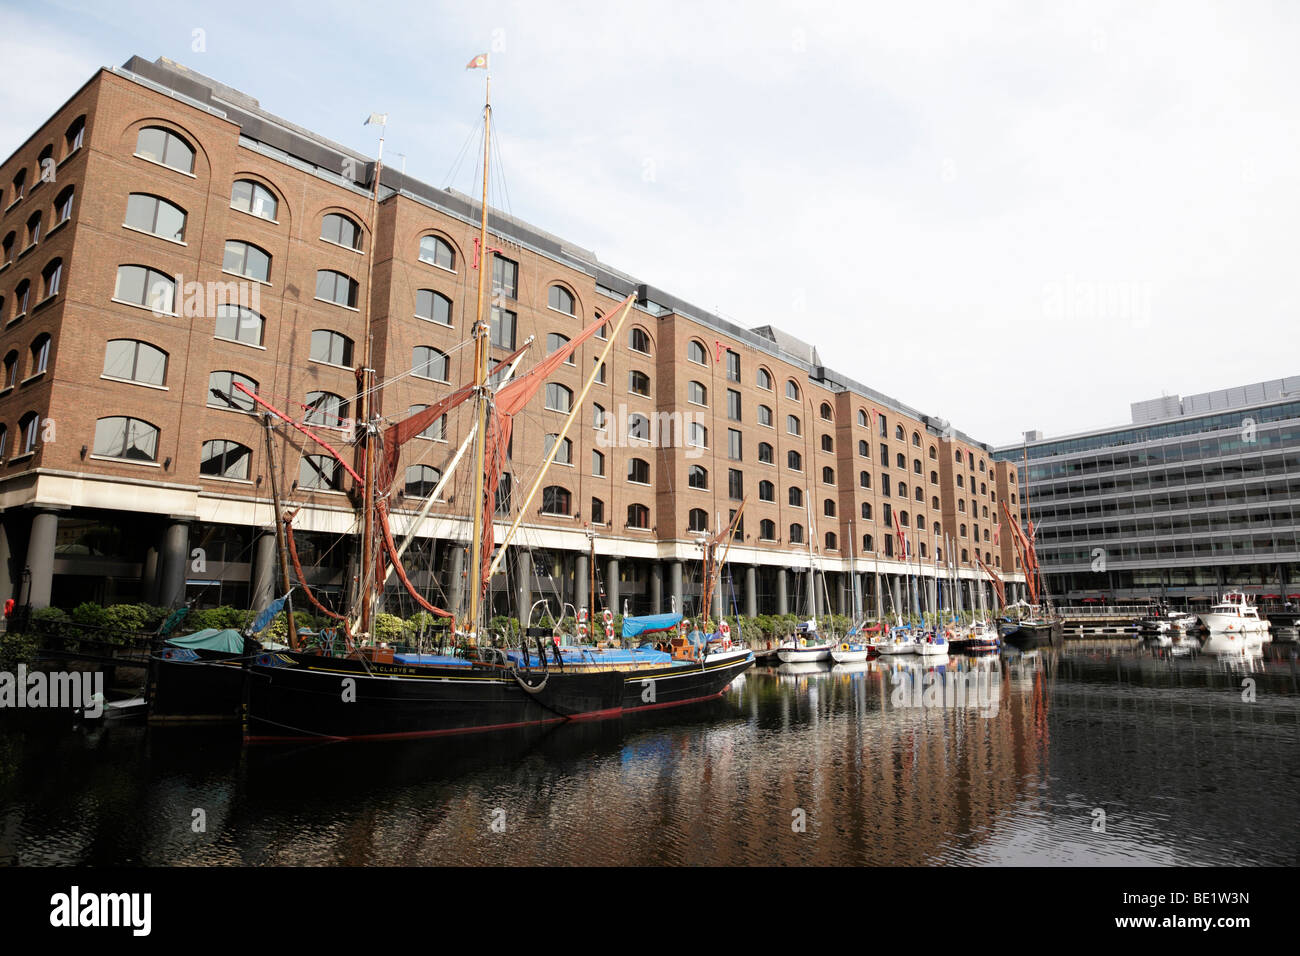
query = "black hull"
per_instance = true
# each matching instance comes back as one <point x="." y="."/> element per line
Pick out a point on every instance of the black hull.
<point x="296" y="697"/>
<point x="1037" y="635"/>
<point x="208" y="690"/>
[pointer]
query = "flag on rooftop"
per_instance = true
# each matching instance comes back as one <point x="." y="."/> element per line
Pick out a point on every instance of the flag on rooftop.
<point x="377" y="119"/>
<point x="478" y="63"/>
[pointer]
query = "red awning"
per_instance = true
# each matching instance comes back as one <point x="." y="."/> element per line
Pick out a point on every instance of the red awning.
<point x="1272" y="597"/>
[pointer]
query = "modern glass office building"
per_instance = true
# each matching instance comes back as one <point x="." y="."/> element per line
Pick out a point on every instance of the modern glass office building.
<point x="1197" y="496"/>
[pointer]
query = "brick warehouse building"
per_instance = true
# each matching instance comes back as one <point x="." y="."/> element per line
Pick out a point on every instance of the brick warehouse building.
<point x="125" y="476"/>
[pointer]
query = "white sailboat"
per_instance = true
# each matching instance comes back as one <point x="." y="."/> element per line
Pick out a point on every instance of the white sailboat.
<point x="806" y="644"/>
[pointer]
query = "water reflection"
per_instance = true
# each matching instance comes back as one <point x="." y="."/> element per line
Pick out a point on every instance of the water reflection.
<point x="990" y="759"/>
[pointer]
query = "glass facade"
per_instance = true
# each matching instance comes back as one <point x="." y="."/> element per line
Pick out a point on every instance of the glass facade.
<point x="1177" y="510"/>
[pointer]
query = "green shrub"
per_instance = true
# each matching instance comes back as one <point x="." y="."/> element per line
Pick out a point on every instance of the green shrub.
<point x="18" y="649"/>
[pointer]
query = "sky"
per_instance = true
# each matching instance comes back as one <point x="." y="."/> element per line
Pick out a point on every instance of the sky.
<point x="1013" y="216"/>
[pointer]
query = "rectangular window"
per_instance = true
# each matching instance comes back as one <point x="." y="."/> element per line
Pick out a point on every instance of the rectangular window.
<point x="505" y="277"/>
<point x="733" y="366"/>
<point x="735" y="484"/>
<point x="733" y="405"/>
<point x="733" y="445"/>
<point x="503" y="328"/>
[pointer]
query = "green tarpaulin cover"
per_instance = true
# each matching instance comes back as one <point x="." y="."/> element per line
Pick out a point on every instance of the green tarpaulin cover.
<point x="211" y="639"/>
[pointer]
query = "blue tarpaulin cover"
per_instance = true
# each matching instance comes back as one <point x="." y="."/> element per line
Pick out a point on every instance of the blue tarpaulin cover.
<point x="636" y="626"/>
<point x="211" y="639"/>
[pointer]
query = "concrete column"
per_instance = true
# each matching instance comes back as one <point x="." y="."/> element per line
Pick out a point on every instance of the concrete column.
<point x="456" y="582"/>
<point x="6" y="569"/>
<point x="262" y="577"/>
<point x="582" y="582"/>
<point x="675" y="583"/>
<point x="524" y="584"/>
<point x="859" y="599"/>
<point x="611" y="586"/>
<point x="174" y="560"/>
<point x="40" y="557"/>
<point x="782" y="592"/>
<point x="819" y="594"/>
<point x="656" y="587"/>
<point x="149" y="575"/>
<point x="720" y="605"/>
<point x="751" y="591"/>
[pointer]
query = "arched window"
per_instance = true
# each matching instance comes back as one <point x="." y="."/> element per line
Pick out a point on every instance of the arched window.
<point x="254" y="199"/>
<point x="866" y="510"/>
<point x="697" y="436"/>
<point x="828" y="475"/>
<point x="11" y="369"/>
<point x="556" y="500"/>
<point x="554" y="342"/>
<point x="934" y="502"/>
<point x="901" y="461"/>
<point x="638" y="471"/>
<point x="63" y="205"/>
<point x="20" y="184"/>
<point x="597" y="464"/>
<point x="340" y="230"/>
<point x="864" y="479"/>
<point x="327" y="409"/>
<point x="247" y="260"/>
<point x="335" y="287"/>
<point x="828" y="443"/>
<point x="697" y="476"/>
<point x="560" y="299"/>
<point x="832" y="543"/>
<point x="559" y="398"/>
<point x="698" y="520"/>
<point x="981" y="464"/>
<point x="767" y="530"/>
<point x="428" y="362"/>
<point x="916" y="493"/>
<point x="638" y="426"/>
<point x="867" y="543"/>
<point x="145" y="287"/>
<point x="435" y="432"/>
<point x="638" y="340"/>
<point x="162" y="146"/>
<point x="127" y="438"/>
<point x="696" y="393"/>
<point x="40" y="354"/>
<point x="223" y="394"/>
<point x="825" y="411"/>
<point x="765" y="453"/>
<point x="983" y="488"/>
<point x="437" y="251"/>
<point x="224" y="459"/>
<point x="320" y="473"/>
<point x="765" y="416"/>
<point x="898" y="432"/>
<point x="597" y="416"/>
<point x="638" y="516"/>
<point x="696" y="353"/>
<point x="963" y="531"/>
<point x="421" y="480"/>
<point x="29" y="426"/>
<point x="597" y="511"/>
<point x="10" y="241"/>
<point x="934" y="455"/>
<point x="961" y="505"/>
<point x="828" y="507"/>
<point x="795" y="497"/>
<point x="902" y="519"/>
<point x="766" y="491"/>
<point x="934" y="477"/>
<point x="156" y="216"/>
<point x="764" y="379"/>
<point x="33" y="228"/>
<point x="333" y="348"/>
<point x="74" y="137"/>
<point x="883" y="423"/>
<point x="792" y="390"/>
<point x="238" y="324"/>
<point x="4" y="441"/>
<point x="902" y="490"/>
<point x="432" y="306"/>
<point x="864" y="449"/>
<point x="794" y="460"/>
<point x="957" y="456"/>
<point x="563" y="456"/>
<point x="638" y="383"/>
<point x="862" y="418"/>
<point x="796" y="534"/>
<point x="792" y="424"/>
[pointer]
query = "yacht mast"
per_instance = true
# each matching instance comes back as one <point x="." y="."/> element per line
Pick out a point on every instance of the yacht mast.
<point x="365" y="413"/>
<point x="482" y="340"/>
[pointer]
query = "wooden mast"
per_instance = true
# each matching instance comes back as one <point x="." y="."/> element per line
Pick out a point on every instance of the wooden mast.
<point x="272" y="468"/>
<point x="365" y="414"/>
<point x="482" y="341"/>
